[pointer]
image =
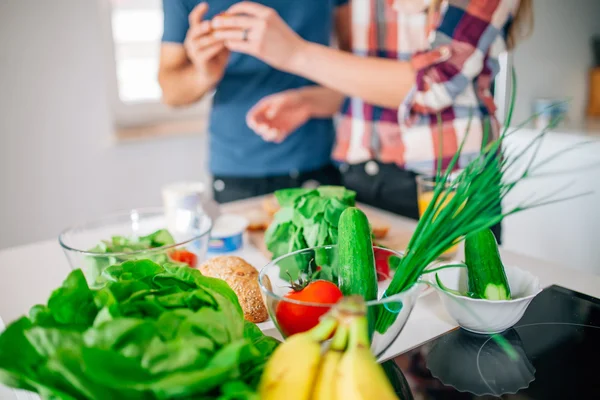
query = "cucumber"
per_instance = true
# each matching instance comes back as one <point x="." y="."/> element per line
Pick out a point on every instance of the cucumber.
<point x="356" y="259"/>
<point x="485" y="271"/>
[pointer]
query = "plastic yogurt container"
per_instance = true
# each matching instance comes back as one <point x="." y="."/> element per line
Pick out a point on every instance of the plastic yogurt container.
<point x="227" y="234"/>
<point x="182" y="196"/>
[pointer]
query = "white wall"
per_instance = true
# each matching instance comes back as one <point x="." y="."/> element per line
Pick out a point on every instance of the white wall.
<point x="564" y="233"/>
<point x="58" y="165"/>
<point x="555" y="60"/>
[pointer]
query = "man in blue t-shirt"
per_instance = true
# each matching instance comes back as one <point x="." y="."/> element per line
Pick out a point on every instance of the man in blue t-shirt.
<point x="193" y="63"/>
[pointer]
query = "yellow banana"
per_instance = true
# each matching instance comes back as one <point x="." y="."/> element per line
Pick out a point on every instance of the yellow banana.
<point x="291" y="371"/>
<point x="325" y="387"/>
<point x="359" y="376"/>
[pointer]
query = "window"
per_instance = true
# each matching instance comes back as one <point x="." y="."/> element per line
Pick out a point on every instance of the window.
<point x="135" y="29"/>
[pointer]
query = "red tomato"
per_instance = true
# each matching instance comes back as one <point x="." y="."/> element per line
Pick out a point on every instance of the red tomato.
<point x="184" y="256"/>
<point x="295" y="318"/>
<point x="382" y="264"/>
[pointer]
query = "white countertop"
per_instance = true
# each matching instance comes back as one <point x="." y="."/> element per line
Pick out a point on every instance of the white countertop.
<point x="29" y="274"/>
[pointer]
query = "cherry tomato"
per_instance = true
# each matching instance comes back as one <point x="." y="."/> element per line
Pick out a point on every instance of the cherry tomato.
<point x="295" y="318"/>
<point x="184" y="256"/>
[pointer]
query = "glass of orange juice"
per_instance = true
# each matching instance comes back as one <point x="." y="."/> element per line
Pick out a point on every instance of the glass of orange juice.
<point x="425" y="189"/>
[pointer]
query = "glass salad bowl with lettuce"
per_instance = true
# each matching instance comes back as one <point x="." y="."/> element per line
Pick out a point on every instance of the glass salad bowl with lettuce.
<point x="134" y="235"/>
<point x="302" y="286"/>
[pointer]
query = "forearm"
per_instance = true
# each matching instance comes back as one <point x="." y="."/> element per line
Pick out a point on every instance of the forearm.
<point x="183" y="85"/>
<point x="324" y="102"/>
<point x="377" y="81"/>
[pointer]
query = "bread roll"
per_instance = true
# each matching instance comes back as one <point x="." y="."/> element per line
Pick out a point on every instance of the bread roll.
<point x="258" y="220"/>
<point x="243" y="279"/>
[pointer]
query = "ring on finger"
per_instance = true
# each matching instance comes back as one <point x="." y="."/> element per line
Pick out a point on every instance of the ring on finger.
<point x="245" y="34"/>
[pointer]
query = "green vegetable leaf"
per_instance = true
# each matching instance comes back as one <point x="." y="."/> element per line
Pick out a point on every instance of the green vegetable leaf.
<point x="47" y="341"/>
<point x="278" y="238"/>
<point x="311" y="207"/>
<point x="132" y="270"/>
<point x="17" y="354"/>
<point x="308" y="218"/>
<point x="287" y="197"/>
<point x="151" y="332"/>
<point x="159" y="238"/>
<point x="224" y="366"/>
<point x="285" y="214"/>
<point x="346" y="196"/>
<point x="238" y="390"/>
<point x="311" y="232"/>
<point x="164" y="357"/>
<point x="323" y="234"/>
<point x="333" y="210"/>
<point x="73" y="303"/>
<point x="333" y="236"/>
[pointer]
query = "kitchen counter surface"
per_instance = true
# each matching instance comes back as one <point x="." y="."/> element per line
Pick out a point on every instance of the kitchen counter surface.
<point x="29" y="273"/>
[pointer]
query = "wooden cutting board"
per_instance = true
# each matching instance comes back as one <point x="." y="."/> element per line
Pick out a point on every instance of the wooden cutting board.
<point x="398" y="236"/>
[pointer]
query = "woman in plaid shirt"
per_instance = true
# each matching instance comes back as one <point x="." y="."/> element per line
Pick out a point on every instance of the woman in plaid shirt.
<point x="412" y="61"/>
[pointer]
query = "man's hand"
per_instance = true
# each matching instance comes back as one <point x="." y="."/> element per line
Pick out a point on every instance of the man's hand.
<point x="276" y="116"/>
<point x="208" y="54"/>
<point x="259" y="31"/>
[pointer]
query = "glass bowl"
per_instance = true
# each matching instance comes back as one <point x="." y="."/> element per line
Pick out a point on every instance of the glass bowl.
<point x="190" y="230"/>
<point x="292" y="316"/>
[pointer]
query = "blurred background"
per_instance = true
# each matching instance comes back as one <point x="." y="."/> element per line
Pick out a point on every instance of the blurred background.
<point x="83" y="133"/>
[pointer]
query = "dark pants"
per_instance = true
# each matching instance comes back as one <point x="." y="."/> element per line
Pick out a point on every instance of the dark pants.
<point x="388" y="187"/>
<point x="228" y="189"/>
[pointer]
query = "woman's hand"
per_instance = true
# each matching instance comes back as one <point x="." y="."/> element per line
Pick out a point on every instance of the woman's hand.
<point x="276" y="116"/>
<point x="259" y="31"/>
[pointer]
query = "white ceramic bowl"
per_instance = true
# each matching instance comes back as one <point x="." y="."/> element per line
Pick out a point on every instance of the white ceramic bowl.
<point x="486" y="316"/>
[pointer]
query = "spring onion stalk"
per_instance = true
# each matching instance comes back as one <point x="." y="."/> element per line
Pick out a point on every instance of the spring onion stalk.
<point x="468" y="203"/>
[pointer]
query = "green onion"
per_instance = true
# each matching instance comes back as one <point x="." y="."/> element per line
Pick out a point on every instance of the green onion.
<point x="469" y="203"/>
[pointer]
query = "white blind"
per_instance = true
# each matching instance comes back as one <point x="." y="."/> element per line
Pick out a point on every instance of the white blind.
<point x="137" y="27"/>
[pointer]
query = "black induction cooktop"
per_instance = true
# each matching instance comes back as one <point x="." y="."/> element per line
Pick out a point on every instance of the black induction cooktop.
<point x="554" y="353"/>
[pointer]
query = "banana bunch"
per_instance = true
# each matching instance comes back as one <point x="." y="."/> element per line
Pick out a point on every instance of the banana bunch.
<point x="299" y="370"/>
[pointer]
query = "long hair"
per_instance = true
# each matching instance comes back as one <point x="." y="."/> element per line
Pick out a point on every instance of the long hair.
<point x="521" y="27"/>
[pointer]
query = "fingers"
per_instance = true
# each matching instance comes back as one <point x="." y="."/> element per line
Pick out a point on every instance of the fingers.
<point x="234" y="22"/>
<point x="235" y="35"/>
<point x="256" y="115"/>
<point x="212" y="50"/>
<point x="269" y="107"/>
<point x="198" y="30"/>
<point x="202" y="49"/>
<point x="250" y="8"/>
<point x="204" y="42"/>
<point x="257" y="121"/>
<point x="432" y="57"/>
<point x="269" y="134"/>
<point x="240" y="46"/>
<point x="198" y="13"/>
<point x="199" y="39"/>
<point x="279" y="103"/>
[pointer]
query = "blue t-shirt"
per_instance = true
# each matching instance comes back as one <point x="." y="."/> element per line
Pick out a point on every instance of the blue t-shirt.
<point x="235" y="150"/>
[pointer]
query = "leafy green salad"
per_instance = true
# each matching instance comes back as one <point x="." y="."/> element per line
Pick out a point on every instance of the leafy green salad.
<point x="118" y="247"/>
<point x="307" y="218"/>
<point x="152" y="332"/>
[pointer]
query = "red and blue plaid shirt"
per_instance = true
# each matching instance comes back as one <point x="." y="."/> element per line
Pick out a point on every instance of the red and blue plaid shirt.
<point x="455" y="56"/>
